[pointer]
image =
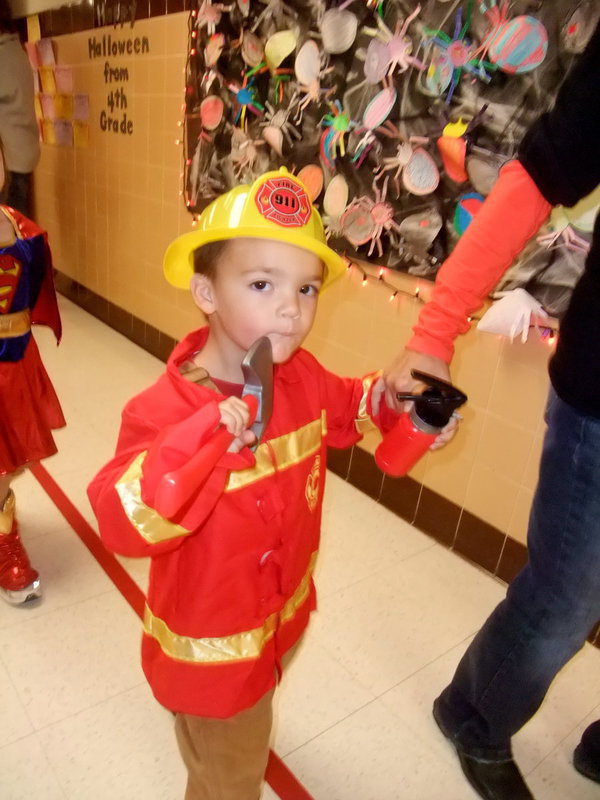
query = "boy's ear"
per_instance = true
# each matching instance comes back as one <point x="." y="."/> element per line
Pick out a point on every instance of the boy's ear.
<point x="202" y="291"/>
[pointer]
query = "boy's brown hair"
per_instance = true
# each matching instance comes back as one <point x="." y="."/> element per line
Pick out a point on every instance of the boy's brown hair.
<point x="207" y="257"/>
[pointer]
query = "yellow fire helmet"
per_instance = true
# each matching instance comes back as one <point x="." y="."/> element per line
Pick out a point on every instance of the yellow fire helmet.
<point x="276" y="206"/>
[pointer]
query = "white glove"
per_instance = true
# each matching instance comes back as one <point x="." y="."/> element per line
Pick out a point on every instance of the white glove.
<point x="511" y="315"/>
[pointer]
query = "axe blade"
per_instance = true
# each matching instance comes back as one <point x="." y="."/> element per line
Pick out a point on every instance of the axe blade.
<point x="257" y="368"/>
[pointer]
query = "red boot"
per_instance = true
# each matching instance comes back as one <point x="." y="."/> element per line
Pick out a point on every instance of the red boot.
<point x="19" y="582"/>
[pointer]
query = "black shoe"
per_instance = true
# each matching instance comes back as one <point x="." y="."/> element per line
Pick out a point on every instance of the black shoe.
<point x="586" y="758"/>
<point x="492" y="779"/>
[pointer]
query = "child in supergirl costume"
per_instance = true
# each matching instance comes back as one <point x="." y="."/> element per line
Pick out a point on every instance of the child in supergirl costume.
<point x="29" y="408"/>
<point x="231" y="589"/>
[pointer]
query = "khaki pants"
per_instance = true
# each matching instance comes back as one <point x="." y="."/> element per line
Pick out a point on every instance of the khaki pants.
<point x="226" y="759"/>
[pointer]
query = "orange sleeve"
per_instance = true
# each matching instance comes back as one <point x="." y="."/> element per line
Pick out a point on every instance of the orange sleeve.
<point x="511" y="214"/>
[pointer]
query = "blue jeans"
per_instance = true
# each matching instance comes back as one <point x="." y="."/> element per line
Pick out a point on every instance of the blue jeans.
<point x="550" y="607"/>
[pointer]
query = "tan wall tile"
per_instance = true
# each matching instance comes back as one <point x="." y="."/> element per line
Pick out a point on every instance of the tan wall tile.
<point x="504" y="447"/>
<point x="491" y="497"/>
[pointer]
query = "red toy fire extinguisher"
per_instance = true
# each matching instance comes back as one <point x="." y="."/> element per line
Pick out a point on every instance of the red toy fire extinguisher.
<point x="416" y="430"/>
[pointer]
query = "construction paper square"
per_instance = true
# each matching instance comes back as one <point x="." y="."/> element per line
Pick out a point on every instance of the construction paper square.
<point x="63" y="76"/>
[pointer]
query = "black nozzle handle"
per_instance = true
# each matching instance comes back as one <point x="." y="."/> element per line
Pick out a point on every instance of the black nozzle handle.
<point x="446" y="388"/>
<point x="437" y="403"/>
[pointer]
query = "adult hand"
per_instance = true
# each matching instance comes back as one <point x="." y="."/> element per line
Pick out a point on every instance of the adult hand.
<point x="397" y="376"/>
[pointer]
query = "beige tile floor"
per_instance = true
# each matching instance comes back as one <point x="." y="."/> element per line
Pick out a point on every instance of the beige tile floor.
<point x="353" y="719"/>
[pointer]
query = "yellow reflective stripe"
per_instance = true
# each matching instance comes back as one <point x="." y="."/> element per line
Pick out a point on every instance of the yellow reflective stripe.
<point x="237" y="646"/>
<point x="363" y="421"/>
<point x="288" y="450"/>
<point x="148" y="522"/>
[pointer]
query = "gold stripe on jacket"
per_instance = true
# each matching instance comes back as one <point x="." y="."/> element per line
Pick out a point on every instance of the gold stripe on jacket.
<point x="149" y="524"/>
<point x="289" y="450"/>
<point x="363" y="421"/>
<point x="236" y="646"/>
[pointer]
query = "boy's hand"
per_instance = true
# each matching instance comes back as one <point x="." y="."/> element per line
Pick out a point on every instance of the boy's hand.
<point x="446" y="433"/>
<point x="235" y="416"/>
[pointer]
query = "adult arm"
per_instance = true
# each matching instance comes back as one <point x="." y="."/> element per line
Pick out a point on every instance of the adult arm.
<point x="511" y="214"/>
<point x="559" y="163"/>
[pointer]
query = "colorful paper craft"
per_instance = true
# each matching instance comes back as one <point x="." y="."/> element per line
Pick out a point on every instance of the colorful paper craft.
<point x="64" y="78"/>
<point x="32" y="54"/>
<point x="33" y="28"/>
<point x="81" y="107"/>
<point x="48" y="106"/>
<point x="81" y="133"/>
<point x="45" y="50"/>
<point x="64" y="132"/>
<point x="47" y="79"/>
<point x="64" y="106"/>
<point x="48" y="132"/>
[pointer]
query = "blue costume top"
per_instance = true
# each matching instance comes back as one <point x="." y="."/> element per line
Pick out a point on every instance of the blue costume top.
<point x="26" y="288"/>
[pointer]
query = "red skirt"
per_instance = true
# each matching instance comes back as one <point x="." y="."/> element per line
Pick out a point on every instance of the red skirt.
<point x="29" y="411"/>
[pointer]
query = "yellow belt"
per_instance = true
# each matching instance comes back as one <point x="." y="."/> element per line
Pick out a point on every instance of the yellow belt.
<point x="12" y="325"/>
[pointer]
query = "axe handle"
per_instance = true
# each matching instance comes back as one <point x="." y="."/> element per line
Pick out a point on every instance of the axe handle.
<point x="176" y="488"/>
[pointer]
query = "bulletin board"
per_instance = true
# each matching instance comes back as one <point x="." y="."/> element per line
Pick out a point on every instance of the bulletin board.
<point x="397" y="116"/>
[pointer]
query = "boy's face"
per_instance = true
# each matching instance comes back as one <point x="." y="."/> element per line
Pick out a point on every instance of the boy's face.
<point x="262" y="287"/>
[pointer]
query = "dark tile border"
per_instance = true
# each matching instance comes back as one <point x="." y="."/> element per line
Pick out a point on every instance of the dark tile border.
<point x="401" y="495"/>
<point x="437" y="516"/>
<point x="338" y="461"/>
<point x="364" y="473"/>
<point x="479" y="541"/>
<point x="512" y="559"/>
<point x="457" y="529"/>
<point x="145" y="336"/>
<point x="83" y="17"/>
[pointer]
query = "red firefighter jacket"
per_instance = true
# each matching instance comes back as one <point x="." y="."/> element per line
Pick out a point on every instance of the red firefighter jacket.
<point x="230" y="587"/>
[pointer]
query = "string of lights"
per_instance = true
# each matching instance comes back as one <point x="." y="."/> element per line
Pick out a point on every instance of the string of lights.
<point x="547" y="333"/>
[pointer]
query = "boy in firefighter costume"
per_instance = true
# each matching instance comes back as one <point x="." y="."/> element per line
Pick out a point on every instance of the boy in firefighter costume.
<point x="231" y="589"/>
<point x="29" y="406"/>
